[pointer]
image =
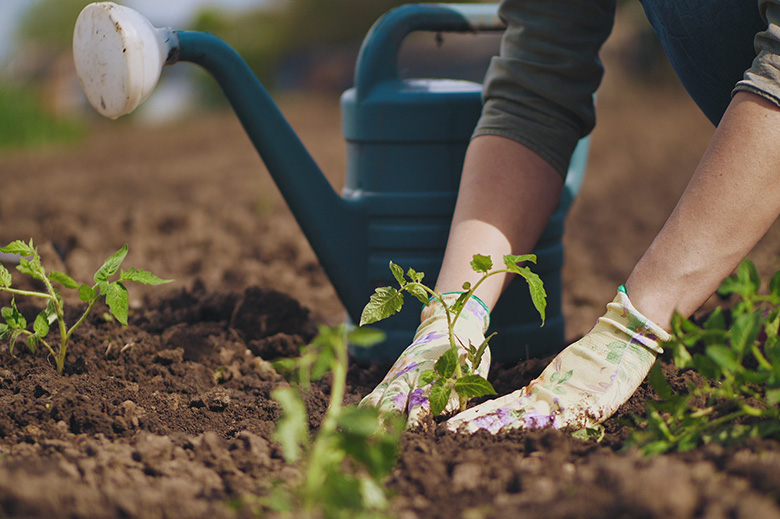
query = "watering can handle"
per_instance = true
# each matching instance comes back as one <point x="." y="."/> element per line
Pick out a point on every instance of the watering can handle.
<point x="378" y="58"/>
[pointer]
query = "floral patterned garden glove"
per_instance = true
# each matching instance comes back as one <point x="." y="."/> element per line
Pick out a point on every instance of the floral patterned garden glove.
<point x="400" y="391"/>
<point x="585" y="383"/>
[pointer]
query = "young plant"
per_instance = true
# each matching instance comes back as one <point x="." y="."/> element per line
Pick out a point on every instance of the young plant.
<point x="452" y="372"/>
<point x="738" y="354"/>
<point x="114" y="292"/>
<point x="344" y="466"/>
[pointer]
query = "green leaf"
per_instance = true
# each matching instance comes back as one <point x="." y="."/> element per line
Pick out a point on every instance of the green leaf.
<point x="426" y="377"/>
<point x="110" y="266"/>
<point x="440" y="395"/>
<point x="384" y="302"/>
<point x="5" y="331"/>
<point x="398" y="273"/>
<point x="446" y="364"/>
<point x="87" y="294"/>
<point x="292" y="429"/>
<point x="118" y="301"/>
<point x="472" y="386"/>
<point x="744" y="331"/>
<point x="142" y="276"/>
<point x="414" y="276"/>
<point x="13" y="318"/>
<point x="359" y="421"/>
<point x="682" y="358"/>
<point x="476" y="357"/>
<point x="480" y="263"/>
<point x="511" y="261"/>
<point x="774" y="284"/>
<point x="5" y="277"/>
<point x="745" y="282"/>
<point x="773" y="396"/>
<point x="32" y="343"/>
<point x="716" y="320"/>
<point x="419" y="292"/>
<point x="32" y="268"/>
<point x="723" y="356"/>
<point x="41" y="325"/>
<point x="536" y="289"/>
<point x="19" y="247"/>
<point x="51" y="312"/>
<point x="365" y="337"/>
<point x="658" y="381"/>
<point x="63" y="279"/>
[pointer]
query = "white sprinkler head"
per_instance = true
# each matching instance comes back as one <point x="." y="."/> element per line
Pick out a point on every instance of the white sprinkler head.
<point x="119" y="56"/>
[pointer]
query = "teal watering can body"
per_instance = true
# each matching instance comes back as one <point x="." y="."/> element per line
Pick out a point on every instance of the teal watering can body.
<point x="406" y="140"/>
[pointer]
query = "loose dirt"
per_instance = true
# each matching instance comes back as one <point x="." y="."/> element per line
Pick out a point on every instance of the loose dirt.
<point x="171" y="416"/>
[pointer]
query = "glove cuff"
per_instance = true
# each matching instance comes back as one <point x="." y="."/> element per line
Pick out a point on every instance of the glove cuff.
<point x="622" y="316"/>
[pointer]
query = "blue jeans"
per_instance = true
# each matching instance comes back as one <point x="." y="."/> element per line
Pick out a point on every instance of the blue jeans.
<point x="709" y="43"/>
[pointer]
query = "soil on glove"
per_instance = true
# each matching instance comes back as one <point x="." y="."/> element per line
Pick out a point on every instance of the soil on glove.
<point x="171" y="416"/>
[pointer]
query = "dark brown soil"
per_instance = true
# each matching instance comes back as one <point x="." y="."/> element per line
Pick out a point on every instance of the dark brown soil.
<point x="171" y="416"/>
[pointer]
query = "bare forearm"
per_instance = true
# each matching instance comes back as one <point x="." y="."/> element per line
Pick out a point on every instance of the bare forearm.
<point x="730" y="202"/>
<point x="507" y="195"/>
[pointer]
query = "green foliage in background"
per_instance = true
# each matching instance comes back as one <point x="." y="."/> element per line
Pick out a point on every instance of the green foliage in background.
<point x="344" y="465"/>
<point x="24" y="123"/>
<point x="265" y="37"/>
<point x="737" y="353"/>
<point x="50" y="22"/>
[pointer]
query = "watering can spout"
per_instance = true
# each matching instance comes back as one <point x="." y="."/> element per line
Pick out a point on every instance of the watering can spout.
<point x="119" y="56"/>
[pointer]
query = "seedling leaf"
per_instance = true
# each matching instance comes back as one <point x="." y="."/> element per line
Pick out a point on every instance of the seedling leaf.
<point x="32" y="343"/>
<point x="439" y="397"/>
<point x="41" y="324"/>
<point x="118" y="301"/>
<point x="511" y="261"/>
<point x="384" y="302"/>
<point x="31" y="268"/>
<point x="63" y="279"/>
<point x="365" y="337"/>
<point x="414" y="276"/>
<point x="419" y="292"/>
<point x="445" y="366"/>
<point x="723" y="356"/>
<point x="5" y="277"/>
<point x="536" y="289"/>
<point x="658" y="381"/>
<point x="426" y="377"/>
<point x="86" y="293"/>
<point x="472" y="386"/>
<point x="19" y="247"/>
<point x="142" y="276"/>
<point x="111" y="266"/>
<point x="398" y="273"/>
<point x="481" y="264"/>
<point x="292" y="431"/>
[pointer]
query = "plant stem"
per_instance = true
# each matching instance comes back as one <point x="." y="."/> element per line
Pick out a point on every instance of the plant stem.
<point x="319" y="457"/>
<point x="25" y="292"/>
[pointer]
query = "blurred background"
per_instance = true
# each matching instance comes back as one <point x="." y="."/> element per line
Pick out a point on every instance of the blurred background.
<point x="179" y="181"/>
<point x="292" y="45"/>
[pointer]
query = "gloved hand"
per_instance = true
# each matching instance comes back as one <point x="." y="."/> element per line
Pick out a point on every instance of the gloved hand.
<point x="400" y="391"/>
<point x="585" y="383"/>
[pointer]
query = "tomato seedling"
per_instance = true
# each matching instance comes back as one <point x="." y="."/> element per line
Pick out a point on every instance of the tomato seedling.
<point x="738" y="354"/>
<point x="344" y="466"/>
<point x="453" y="372"/>
<point x="114" y="292"/>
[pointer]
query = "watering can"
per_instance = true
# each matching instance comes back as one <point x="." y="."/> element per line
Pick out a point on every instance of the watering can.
<point x="406" y="140"/>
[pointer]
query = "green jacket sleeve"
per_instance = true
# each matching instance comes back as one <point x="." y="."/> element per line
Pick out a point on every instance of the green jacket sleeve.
<point x="763" y="77"/>
<point x="539" y="90"/>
